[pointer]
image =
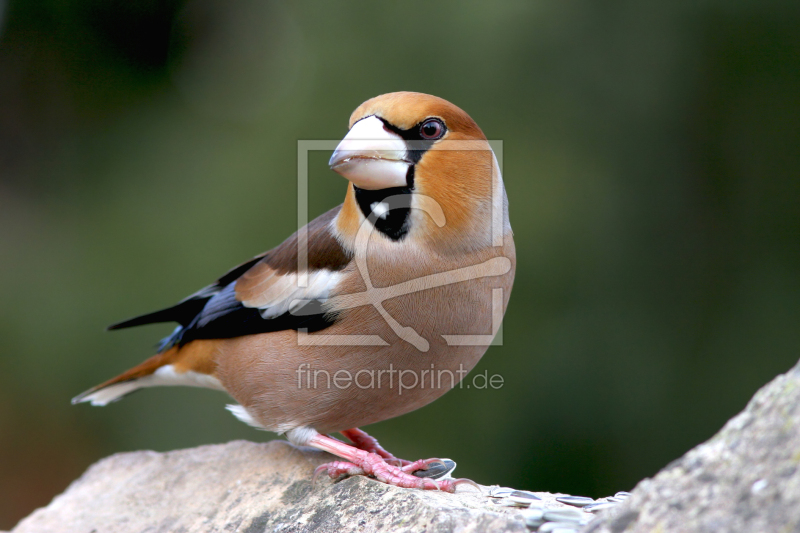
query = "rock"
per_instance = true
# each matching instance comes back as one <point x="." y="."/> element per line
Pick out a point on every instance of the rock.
<point x="252" y="488"/>
<point x="745" y="479"/>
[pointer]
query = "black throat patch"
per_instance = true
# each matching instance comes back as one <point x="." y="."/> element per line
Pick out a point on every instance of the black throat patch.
<point x="387" y="209"/>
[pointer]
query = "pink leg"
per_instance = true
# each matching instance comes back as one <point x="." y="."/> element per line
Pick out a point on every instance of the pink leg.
<point x="363" y="441"/>
<point x="360" y="462"/>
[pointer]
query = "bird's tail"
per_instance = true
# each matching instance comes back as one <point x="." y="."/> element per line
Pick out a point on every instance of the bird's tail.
<point x="193" y="364"/>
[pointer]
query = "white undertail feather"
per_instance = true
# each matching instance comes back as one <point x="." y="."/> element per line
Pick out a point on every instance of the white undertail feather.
<point x="108" y="394"/>
<point x="241" y="413"/>
<point x="301" y="436"/>
<point x="164" y="376"/>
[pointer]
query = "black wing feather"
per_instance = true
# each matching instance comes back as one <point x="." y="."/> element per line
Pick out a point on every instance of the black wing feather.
<point x="213" y="312"/>
<point x="225" y="317"/>
<point x="187" y="309"/>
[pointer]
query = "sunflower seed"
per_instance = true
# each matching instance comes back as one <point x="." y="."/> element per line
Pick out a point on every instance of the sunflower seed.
<point x="520" y="503"/>
<point x="524" y="494"/>
<point x="500" y="492"/>
<point x="622" y="494"/>
<point x="563" y="515"/>
<point x="599" y="506"/>
<point x="576" y="501"/>
<point x="558" y="527"/>
<point x="507" y="502"/>
<point x="533" y="517"/>
<point x="437" y="470"/>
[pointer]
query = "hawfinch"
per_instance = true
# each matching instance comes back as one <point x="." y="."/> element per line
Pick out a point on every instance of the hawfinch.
<point x="372" y="310"/>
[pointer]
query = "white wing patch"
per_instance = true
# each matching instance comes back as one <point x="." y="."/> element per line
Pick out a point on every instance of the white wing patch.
<point x="282" y="294"/>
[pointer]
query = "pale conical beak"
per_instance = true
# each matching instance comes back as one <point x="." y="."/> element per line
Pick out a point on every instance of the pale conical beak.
<point x="371" y="157"/>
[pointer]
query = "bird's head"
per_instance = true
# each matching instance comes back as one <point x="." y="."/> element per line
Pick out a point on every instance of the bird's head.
<point x="422" y="168"/>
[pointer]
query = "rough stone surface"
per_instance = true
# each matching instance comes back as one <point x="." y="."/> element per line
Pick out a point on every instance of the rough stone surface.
<point x="252" y="488"/>
<point x="745" y="479"/>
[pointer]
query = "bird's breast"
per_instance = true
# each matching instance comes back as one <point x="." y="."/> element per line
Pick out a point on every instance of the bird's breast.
<point x="408" y="330"/>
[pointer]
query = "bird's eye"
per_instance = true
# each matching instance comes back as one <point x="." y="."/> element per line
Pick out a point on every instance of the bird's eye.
<point x="432" y="129"/>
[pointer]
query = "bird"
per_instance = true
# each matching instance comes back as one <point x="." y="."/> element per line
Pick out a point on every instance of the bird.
<point x="371" y="310"/>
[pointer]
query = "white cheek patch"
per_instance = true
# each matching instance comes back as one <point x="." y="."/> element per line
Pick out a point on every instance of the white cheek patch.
<point x="381" y="209"/>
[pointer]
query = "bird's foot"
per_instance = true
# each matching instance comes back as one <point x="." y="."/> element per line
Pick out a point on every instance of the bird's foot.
<point x="363" y="463"/>
<point x="371" y="464"/>
<point x="363" y="441"/>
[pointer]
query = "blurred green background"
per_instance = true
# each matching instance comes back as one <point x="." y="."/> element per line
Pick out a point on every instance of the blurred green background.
<point x="651" y="157"/>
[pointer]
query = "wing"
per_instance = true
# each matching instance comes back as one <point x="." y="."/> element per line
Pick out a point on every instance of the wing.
<point x="263" y="294"/>
<point x="185" y="311"/>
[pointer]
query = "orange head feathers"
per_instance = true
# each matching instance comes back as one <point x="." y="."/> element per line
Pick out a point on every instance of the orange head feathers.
<point x="424" y="170"/>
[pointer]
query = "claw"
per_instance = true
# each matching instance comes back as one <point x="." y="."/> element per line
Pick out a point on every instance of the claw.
<point x="317" y="471"/>
<point x="463" y="481"/>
